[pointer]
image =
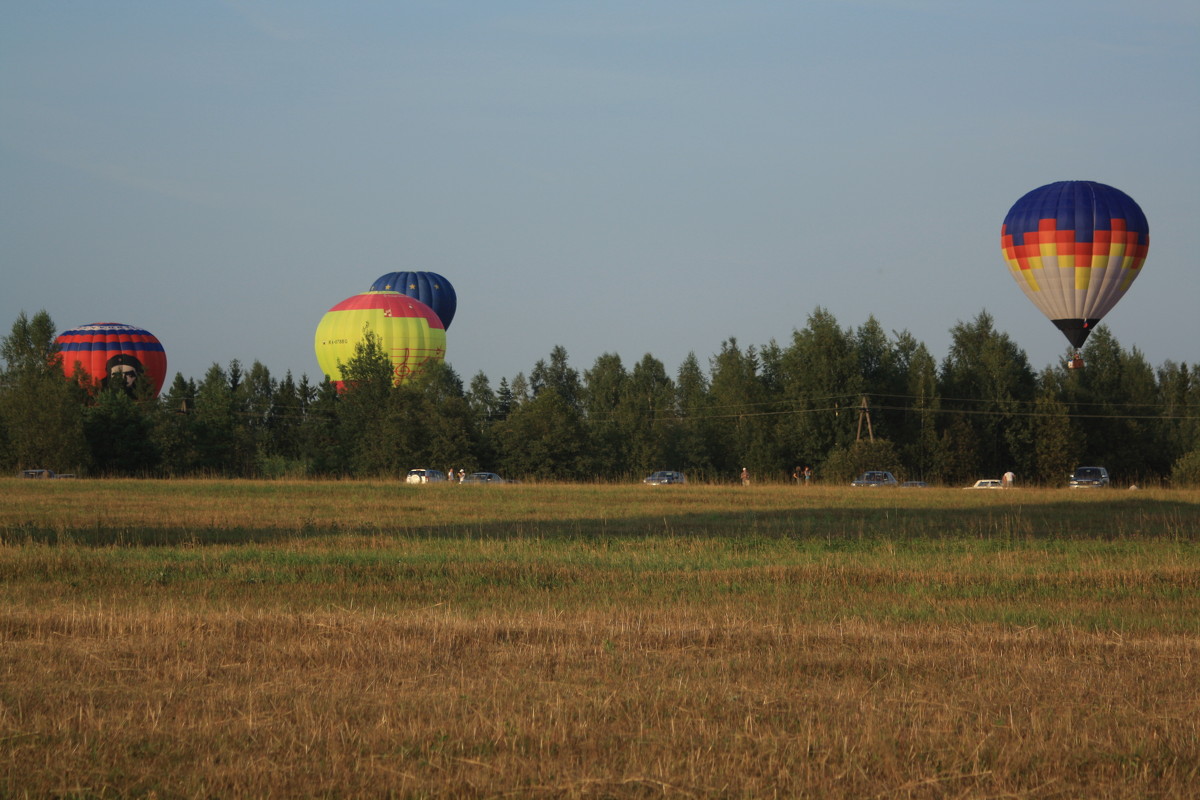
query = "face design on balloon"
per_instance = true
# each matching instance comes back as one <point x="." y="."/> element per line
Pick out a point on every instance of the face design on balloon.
<point x="123" y="371"/>
<point x="102" y="348"/>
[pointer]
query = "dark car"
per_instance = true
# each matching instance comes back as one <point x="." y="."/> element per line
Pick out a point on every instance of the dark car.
<point x="484" y="477"/>
<point x="664" y="477"/>
<point x="42" y="473"/>
<point x="1089" y="478"/>
<point x="875" y="478"/>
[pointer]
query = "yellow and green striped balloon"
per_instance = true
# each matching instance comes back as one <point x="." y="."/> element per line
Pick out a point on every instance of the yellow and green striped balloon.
<point x="411" y="333"/>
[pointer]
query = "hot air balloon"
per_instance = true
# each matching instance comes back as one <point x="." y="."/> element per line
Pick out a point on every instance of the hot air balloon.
<point x="107" y="350"/>
<point x="430" y="288"/>
<point x="1074" y="247"/>
<point x="409" y="331"/>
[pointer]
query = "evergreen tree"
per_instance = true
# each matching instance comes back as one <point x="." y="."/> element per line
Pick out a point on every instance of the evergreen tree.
<point x="284" y="420"/>
<point x="822" y="385"/>
<point x="120" y="436"/>
<point x="31" y="347"/>
<point x="368" y="380"/>
<point x="41" y="412"/>
<point x="883" y="378"/>
<point x="557" y="375"/>
<point x="519" y="393"/>
<point x="1055" y="435"/>
<point x="919" y="440"/>
<point x="545" y="439"/>
<point x="487" y="408"/>
<point x="450" y="435"/>
<point x="987" y="379"/>
<point x="1179" y="393"/>
<point x="175" y="429"/>
<point x="1118" y="401"/>
<point x="481" y="399"/>
<point x="504" y="400"/>
<point x="696" y="435"/>
<point x="254" y="398"/>
<point x="603" y="393"/>
<point x="740" y="401"/>
<point x="321" y="439"/>
<point x="647" y="405"/>
<point x="214" y="423"/>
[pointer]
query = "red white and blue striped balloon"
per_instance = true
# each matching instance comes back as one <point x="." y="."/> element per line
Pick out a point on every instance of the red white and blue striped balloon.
<point x="103" y="347"/>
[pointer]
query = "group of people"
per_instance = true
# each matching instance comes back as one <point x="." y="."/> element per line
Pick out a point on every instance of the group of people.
<point x="459" y="476"/>
<point x="801" y="475"/>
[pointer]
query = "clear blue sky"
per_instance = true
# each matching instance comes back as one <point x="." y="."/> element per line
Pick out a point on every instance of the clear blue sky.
<point x="623" y="177"/>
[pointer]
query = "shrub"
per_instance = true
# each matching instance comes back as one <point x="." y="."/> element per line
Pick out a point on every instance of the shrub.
<point x="1186" y="471"/>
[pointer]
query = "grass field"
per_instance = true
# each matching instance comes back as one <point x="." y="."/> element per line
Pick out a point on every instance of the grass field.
<point x="335" y="639"/>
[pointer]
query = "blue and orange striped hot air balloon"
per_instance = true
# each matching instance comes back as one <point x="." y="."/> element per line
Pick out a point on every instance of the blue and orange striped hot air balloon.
<point x="110" y="349"/>
<point x="1074" y="247"/>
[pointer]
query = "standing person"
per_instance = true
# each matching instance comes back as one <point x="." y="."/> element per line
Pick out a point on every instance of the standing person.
<point x="745" y="477"/>
<point x="1009" y="477"/>
<point x="807" y="475"/>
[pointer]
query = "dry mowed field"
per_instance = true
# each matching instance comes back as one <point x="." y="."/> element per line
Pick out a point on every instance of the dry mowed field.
<point x="200" y="639"/>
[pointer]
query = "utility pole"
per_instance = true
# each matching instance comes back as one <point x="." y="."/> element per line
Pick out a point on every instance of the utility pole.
<point x="864" y="412"/>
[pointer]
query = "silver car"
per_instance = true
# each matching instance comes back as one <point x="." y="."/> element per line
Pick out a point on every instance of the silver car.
<point x="875" y="477"/>
<point x="484" y="477"/>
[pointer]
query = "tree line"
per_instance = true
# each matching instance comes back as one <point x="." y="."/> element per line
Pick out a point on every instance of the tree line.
<point x="837" y="400"/>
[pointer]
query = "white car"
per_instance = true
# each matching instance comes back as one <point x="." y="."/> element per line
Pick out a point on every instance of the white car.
<point x="987" y="484"/>
<point x="425" y="476"/>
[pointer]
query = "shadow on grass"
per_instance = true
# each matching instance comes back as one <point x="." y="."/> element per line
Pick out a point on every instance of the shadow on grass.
<point x="834" y="526"/>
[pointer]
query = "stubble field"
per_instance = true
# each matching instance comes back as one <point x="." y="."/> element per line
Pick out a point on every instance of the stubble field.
<point x="339" y="639"/>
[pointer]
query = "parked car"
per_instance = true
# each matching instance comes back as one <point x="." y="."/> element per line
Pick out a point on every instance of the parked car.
<point x="875" y="478"/>
<point x="42" y="474"/>
<point x="423" y="475"/>
<point x="484" y="477"/>
<point x="664" y="477"/>
<point x="1089" y="478"/>
<point x="987" y="483"/>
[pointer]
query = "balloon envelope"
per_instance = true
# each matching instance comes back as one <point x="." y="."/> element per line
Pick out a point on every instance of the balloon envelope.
<point x="1074" y="247"/>
<point x="430" y="288"/>
<point x="410" y="332"/>
<point x="106" y="348"/>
